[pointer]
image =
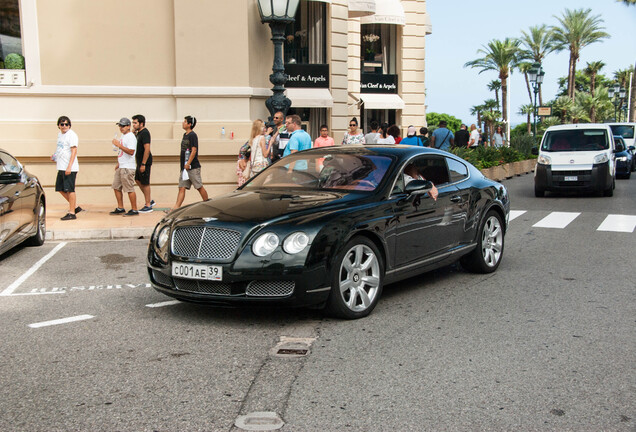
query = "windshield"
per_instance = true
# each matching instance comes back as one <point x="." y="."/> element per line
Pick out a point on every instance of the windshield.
<point x="575" y="140"/>
<point x="324" y="171"/>
<point x="626" y="131"/>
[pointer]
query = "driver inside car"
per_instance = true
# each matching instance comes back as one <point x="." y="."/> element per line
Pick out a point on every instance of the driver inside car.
<point x="411" y="173"/>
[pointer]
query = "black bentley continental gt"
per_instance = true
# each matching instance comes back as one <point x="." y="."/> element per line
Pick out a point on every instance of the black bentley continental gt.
<point x="22" y="205"/>
<point x="330" y="227"/>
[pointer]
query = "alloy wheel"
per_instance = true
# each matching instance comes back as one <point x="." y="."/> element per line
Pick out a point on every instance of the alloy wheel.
<point x="359" y="278"/>
<point x="492" y="241"/>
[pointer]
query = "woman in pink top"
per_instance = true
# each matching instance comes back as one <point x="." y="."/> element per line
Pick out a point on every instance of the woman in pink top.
<point x="324" y="140"/>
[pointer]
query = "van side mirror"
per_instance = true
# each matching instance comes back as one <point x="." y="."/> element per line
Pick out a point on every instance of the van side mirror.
<point x="535" y="151"/>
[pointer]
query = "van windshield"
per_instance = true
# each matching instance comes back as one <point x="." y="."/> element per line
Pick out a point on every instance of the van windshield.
<point x="626" y="131"/>
<point x="575" y="140"/>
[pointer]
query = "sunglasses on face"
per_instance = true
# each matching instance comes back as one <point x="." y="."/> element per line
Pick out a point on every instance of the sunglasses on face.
<point x="353" y="125"/>
<point x="63" y="124"/>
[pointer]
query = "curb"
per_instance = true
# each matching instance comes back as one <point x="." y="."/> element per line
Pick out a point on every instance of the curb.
<point x="99" y="234"/>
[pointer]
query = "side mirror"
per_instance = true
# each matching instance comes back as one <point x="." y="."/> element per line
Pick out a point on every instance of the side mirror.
<point x="9" y="177"/>
<point x="418" y="187"/>
<point x="535" y="151"/>
<point x="619" y="148"/>
<point x="632" y="148"/>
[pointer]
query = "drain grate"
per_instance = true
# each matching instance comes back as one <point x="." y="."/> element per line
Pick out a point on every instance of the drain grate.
<point x="292" y="347"/>
<point x="292" y="351"/>
<point x="259" y="421"/>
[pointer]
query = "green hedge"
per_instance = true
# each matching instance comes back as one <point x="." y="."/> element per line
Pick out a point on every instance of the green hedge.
<point x="486" y="157"/>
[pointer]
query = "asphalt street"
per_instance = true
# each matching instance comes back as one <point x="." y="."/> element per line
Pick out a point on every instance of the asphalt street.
<point x="545" y="343"/>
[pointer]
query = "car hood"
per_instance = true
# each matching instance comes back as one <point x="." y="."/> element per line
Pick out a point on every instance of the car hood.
<point x="577" y="160"/>
<point x="259" y="206"/>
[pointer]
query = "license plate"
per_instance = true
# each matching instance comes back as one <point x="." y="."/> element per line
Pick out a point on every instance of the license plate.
<point x="571" y="178"/>
<point x="197" y="271"/>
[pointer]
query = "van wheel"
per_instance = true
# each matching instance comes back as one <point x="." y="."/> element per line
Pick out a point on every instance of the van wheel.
<point x="539" y="193"/>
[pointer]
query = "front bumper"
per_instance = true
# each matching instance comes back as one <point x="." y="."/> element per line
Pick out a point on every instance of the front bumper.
<point x="598" y="178"/>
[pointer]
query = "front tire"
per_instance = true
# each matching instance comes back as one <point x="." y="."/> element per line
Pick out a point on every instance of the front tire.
<point x="356" y="280"/>
<point x="485" y="258"/>
<point x="610" y="191"/>
<point x="40" y="234"/>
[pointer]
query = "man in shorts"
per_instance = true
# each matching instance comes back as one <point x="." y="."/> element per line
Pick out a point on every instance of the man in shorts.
<point x="190" y="168"/>
<point x="67" y="166"/>
<point x="143" y="158"/>
<point x="124" y="180"/>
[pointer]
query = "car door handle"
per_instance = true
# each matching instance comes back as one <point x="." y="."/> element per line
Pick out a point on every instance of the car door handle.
<point x="456" y="199"/>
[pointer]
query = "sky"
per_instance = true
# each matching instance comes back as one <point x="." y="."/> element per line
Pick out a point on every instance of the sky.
<point x="460" y="28"/>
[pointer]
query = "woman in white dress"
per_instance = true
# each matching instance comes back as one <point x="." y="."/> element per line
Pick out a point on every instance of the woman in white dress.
<point x="259" y="155"/>
<point x="354" y="136"/>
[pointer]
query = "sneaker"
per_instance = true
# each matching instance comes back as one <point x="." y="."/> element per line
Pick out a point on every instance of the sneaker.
<point x="78" y="209"/>
<point x="69" y="216"/>
<point x="118" y="211"/>
<point x="145" y="209"/>
<point x="152" y="203"/>
<point x="132" y="213"/>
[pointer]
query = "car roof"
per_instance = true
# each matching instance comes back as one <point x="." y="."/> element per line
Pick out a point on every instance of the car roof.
<point x="400" y="150"/>
<point x="579" y="126"/>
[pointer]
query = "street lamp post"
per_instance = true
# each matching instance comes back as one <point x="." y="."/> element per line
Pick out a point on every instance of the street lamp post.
<point x="535" y="76"/>
<point x="617" y="95"/>
<point x="277" y="13"/>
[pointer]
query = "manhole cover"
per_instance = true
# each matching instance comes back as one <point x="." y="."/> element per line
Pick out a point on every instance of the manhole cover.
<point x="259" y="421"/>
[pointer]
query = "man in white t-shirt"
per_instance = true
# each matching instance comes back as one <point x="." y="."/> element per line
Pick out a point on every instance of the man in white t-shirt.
<point x="65" y="158"/>
<point x="125" y="170"/>
<point x="473" y="141"/>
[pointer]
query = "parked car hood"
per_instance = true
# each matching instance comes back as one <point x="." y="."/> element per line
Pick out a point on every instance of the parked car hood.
<point x="263" y="205"/>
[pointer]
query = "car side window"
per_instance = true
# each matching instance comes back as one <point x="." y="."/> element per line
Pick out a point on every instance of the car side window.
<point x="458" y="171"/>
<point x="433" y="169"/>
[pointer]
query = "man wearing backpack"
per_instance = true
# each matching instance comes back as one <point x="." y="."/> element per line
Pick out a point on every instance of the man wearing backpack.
<point x="442" y="138"/>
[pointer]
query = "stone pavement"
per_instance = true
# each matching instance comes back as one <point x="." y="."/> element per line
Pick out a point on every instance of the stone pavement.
<point x="96" y="223"/>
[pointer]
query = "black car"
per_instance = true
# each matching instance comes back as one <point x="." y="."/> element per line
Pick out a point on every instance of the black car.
<point x="331" y="226"/>
<point x="625" y="162"/>
<point x="22" y="205"/>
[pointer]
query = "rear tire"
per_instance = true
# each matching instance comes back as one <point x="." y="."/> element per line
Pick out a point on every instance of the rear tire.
<point x="40" y="234"/>
<point x="356" y="280"/>
<point x="485" y="258"/>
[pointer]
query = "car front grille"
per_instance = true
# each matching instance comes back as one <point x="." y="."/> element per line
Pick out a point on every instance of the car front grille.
<point x="205" y="242"/>
<point x="202" y="286"/>
<point x="261" y="288"/>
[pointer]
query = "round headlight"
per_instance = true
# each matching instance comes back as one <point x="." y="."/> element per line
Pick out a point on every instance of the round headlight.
<point x="163" y="236"/>
<point x="265" y="244"/>
<point x="295" y="242"/>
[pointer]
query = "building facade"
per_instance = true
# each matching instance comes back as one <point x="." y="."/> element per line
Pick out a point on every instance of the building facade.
<point x="96" y="62"/>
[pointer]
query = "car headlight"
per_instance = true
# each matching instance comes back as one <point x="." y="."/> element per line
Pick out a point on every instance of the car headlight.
<point x="544" y="160"/>
<point x="295" y="242"/>
<point x="622" y="158"/>
<point x="265" y="244"/>
<point x="163" y="237"/>
<point x="601" y="158"/>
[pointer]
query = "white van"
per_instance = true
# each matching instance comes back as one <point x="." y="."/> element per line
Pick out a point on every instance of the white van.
<point x="576" y="157"/>
<point x="626" y="130"/>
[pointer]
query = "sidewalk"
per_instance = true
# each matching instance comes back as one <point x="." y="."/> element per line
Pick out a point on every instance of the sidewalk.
<point x="95" y="223"/>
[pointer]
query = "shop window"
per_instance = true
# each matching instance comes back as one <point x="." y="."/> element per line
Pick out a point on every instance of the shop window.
<point x="11" y="56"/>
<point x="306" y="38"/>
<point x="379" y="48"/>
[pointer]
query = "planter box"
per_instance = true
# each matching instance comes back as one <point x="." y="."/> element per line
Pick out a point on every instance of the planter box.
<point x="506" y="171"/>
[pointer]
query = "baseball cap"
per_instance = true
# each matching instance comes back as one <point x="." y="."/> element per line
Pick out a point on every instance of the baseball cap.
<point x="123" y="122"/>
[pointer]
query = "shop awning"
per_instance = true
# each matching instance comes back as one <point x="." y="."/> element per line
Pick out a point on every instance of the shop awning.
<point x="310" y="97"/>
<point x="360" y="8"/>
<point x="386" y="12"/>
<point x="381" y="101"/>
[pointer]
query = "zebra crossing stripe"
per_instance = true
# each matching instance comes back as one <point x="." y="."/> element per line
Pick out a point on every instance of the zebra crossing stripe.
<point x="557" y="220"/>
<point x="514" y="214"/>
<point x="618" y="223"/>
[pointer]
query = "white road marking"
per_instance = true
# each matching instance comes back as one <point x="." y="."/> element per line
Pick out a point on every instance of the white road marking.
<point x="61" y="321"/>
<point x="618" y="223"/>
<point x="162" y="304"/>
<point x="9" y="290"/>
<point x="556" y="220"/>
<point x="514" y="214"/>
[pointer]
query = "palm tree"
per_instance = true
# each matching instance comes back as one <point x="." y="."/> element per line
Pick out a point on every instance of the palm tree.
<point x="592" y="70"/>
<point x="577" y="30"/>
<point x="538" y="42"/>
<point x="527" y="109"/>
<point x="562" y="107"/>
<point x="490" y="118"/>
<point x="597" y="105"/>
<point x="622" y="76"/>
<point x="490" y="105"/>
<point x="477" y="110"/>
<point x="495" y="85"/>
<point x="524" y="68"/>
<point x="502" y="57"/>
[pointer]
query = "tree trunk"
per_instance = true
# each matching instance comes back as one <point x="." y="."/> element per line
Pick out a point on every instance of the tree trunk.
<point x="632" y="98"/>
<point x="529" y="125"/>
<point x="525" y="74"/>
<point x="571" y="76"/>
<point x="504" y="98"/>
